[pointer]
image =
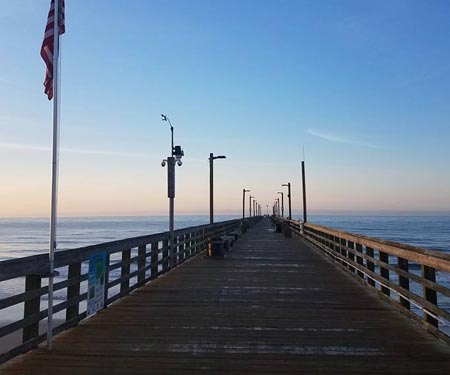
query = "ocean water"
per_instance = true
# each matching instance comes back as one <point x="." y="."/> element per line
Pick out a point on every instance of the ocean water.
<point x="25" y="237"/>
<point x="428" y="232"/>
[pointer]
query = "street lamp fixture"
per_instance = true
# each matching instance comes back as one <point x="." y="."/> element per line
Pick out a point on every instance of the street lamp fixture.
<point x="282" y="203"/>
<point x="250" y="205"/>
<point x="211" y="184"/>
<point x="175" y="157"/>
<point x="243" y="202"/>
<point x="289" y="198"/>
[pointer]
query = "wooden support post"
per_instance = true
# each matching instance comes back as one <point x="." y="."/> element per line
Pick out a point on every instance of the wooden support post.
<point x="105" y="303"/>
<point x="154" y="260"/>
<point x="165" y="264"/>
<point x="32" y="307"/>
<point x="403" y="281"/>
<point x="350" y="255"/>
<point x="370" y="265"/>
<point x="142" y="250"/>
<point x="343" y="243"/>
<point x="384" y="272"/>
<point x="430" y="295"/>
<point x="73" y="291"/>
<point x="359" y="260"/>
<point x="125" y="284"/>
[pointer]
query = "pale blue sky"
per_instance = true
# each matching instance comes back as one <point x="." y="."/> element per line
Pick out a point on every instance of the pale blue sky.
<point x="364" y="86"/>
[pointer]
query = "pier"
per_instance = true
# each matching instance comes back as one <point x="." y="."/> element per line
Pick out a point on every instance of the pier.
<point x="292" y="298"/>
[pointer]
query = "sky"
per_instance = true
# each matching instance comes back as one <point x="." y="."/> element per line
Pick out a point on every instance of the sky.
<point x="363" y="87"/>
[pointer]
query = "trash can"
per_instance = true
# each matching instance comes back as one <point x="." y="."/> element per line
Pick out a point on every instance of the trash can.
<point x="278" y="227"/>
<point x="286" y="229"/>
<point x="243" y="226"/>
<point x="215" y="247"/>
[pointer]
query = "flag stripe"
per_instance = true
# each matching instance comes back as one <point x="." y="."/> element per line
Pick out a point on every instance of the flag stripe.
<point x="48" y="44"/>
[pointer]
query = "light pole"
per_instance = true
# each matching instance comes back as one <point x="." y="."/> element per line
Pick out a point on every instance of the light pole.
<point x="289" y="198"/>
<point x="176" y="154"/>
<point x="254" y="206"/>
<point x="243" y="201"/>
<point x="267" y="209"/>
<point x="211" y="185"/>
<point x="282" y="203"/>
<point x="278" y="205"/>
<point x="250" y="205"/>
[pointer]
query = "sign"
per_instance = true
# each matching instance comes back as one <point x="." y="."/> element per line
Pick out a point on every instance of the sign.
<point x="96" y="283"/>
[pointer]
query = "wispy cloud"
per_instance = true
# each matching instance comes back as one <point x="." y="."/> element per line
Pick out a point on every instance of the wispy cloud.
<point x="338" y="139"/>
<point x="24" y="147"/>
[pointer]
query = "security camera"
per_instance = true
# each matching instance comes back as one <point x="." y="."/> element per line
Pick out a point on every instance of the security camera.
<point x="163" y="163"/>
<point x="179" y="163"/>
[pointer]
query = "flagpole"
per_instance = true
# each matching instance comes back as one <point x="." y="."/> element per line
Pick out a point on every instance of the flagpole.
<point x="55" y="155"/>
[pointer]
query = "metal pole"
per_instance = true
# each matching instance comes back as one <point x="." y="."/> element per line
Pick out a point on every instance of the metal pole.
<point x="243" y="203"/>
<point x="171" y="195"/>
<point x="304" y="192"/>
<point x="289" y="197"/>
<point x="211" y="192"/>
<point x="282" y="203"/>
<point x="250" y="205"/>
<point x="278" y="206"/>
<point x="55" y="164"/>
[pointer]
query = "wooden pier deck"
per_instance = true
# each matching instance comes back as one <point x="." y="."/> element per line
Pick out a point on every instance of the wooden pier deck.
<point x="273" y="305"/>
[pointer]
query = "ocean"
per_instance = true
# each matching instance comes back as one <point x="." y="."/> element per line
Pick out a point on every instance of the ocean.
<point x="25" y="237"/>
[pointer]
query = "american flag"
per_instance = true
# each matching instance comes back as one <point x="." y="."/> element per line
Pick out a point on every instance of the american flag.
<point x="48" y="47"/>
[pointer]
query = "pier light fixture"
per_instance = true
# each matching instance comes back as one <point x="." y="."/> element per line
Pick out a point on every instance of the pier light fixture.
<point x="289" y="199"/>
<point x="176" y="153"/>
<point x="211" y="184"/>
<point x="243" y="201"/>
<point x="282" y="203"/>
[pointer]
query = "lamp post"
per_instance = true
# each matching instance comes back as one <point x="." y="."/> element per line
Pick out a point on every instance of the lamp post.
<point x="250" y="205"/>
<point x="211" y="185"/>
<point x="289" y="198"/>
<point x="278" y="206"/>
<point x="243" y="202"/>
<point x="282" y="203"/>
<point x="267" y="209"/>
<point x="176" y="154"/>
<point x="254" y="206"/>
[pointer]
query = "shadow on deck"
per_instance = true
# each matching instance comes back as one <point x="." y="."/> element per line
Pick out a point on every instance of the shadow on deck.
<point x="273" y="305"/>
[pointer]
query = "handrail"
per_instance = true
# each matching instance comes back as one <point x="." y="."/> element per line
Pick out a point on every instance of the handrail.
<point x="393" y="269"/>
<point x="130" y="263"/>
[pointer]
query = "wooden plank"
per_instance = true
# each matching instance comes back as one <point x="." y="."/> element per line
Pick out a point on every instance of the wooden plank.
<point x="32" y="307"/>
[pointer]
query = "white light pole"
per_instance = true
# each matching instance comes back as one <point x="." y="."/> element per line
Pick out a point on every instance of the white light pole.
<point x="176" y="155"/>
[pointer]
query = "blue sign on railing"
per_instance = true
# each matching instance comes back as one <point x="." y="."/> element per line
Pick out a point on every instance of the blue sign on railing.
<point x="96" y="283"/>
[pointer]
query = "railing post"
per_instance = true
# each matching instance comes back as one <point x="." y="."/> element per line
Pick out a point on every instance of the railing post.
<point x="430" y="295"/>
<point x="351" y="255"/>
<point x="142" y="250"/>
<point x="106" y="296"/>
<point x="165" y="255"/>
<point x="154" y="260"/>
<point x="73" y="291"/>
<point x="125" y="284"/>
<point x="359" y="260"/>
<point x="370" y="265"/>
<point x="403" y="281"/>
<point x="384" y="272"/>
<point x="32" y="307"/>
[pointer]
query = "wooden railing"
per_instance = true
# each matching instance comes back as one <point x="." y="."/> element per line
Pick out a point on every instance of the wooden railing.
<point x="415" y="280"/>
<point x="130" y="263"/>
